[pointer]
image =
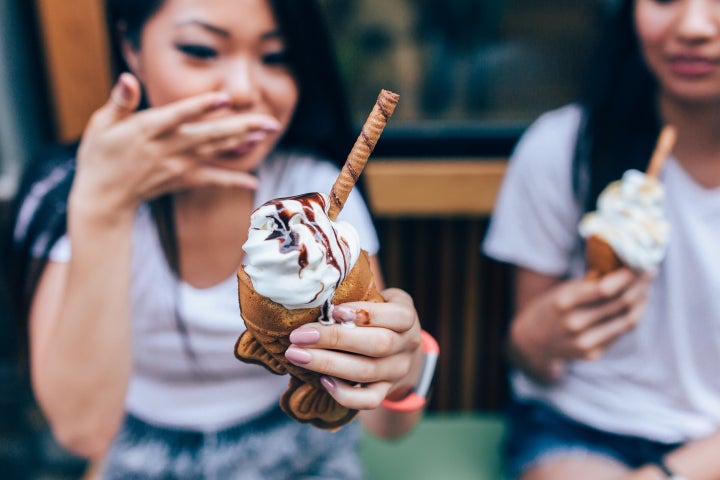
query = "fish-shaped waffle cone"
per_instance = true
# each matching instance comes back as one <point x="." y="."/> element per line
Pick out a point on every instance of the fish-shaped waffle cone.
<point x="267" y="337"/>
<point x="600" y="256"/>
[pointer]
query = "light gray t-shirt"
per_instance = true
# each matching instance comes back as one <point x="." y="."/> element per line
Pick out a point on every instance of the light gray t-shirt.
<point x="659" y="381"/>
<point x="217" y="390"/>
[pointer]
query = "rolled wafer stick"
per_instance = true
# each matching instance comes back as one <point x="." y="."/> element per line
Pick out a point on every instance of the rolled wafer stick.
<point x="364" y="145"/>
<point x="663" y="147"/>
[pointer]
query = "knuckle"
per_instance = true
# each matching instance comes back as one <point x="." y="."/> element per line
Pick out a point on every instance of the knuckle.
<point x="175" y="168"/>
<point x="367" y="372"/>
<point x="415" y="342"/>
<point x="373" y="400"/>
<point x="384" y="344"/>
<point x="334" y="336"/>
<point x="572" y="323"/>
<point x="562" y="302"/>
<point x="322" y="364"/>
<point x="402" y="367"/>
<point x="583" y="344"/>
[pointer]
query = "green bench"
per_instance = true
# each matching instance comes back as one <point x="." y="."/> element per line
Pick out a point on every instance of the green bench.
<point x="441" y="447"/>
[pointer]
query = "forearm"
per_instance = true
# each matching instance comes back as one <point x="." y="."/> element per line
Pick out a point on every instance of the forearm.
<point x="82" y="357"/>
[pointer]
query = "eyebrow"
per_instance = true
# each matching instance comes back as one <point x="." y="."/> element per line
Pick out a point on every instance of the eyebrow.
<point x="224" y="33"/>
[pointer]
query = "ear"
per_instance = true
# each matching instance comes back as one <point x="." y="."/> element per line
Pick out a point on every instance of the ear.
<point x="131" y="55"/>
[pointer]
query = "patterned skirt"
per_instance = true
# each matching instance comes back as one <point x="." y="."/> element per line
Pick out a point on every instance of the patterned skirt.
<point x="270" y="447"/>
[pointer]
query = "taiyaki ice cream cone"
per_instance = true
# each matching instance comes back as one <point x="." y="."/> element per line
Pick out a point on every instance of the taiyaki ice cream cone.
<point x="292" y="279"/>
<point x="629" y="227"/>
<point x="302" y="262"/>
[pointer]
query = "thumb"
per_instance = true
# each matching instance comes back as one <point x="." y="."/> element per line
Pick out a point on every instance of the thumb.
<point x="124" y="99"/>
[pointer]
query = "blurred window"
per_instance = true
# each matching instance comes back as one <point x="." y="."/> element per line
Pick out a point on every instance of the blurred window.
<point x="464" y="67"/>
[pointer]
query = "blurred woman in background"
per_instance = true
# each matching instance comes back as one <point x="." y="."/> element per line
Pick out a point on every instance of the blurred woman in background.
<point x="616" y="378"/>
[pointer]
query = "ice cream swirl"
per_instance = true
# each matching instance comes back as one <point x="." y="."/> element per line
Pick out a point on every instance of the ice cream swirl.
<point x="297" y="256"/>
<point x="630" y="216"/>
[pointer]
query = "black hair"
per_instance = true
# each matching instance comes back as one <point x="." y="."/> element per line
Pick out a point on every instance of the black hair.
<point x="621" y="121"/>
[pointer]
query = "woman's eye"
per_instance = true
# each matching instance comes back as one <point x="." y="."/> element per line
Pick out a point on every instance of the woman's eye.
<point x="275" y="58"/>
<point x="198" y="51"/>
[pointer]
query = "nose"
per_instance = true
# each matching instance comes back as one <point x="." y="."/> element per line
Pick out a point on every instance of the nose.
<point x="698" y="20"/>
<point x="241" y="83"/>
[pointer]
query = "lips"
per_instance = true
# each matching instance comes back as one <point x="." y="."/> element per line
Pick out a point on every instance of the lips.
<point x="692" y="66"/>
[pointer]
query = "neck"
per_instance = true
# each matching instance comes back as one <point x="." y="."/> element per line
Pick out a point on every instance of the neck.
<point x="211" y="227"/>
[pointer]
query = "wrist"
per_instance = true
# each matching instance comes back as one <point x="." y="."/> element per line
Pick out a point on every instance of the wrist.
<point x="94" y="210"/>
<point x="415" y="398"/>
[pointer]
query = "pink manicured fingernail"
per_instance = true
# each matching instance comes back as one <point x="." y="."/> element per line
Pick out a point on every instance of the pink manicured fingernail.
<point x="305" y="336"/>
<point x="343" y="313"/>
<point x="298" y="355"/>
<point x="329" y="384"/>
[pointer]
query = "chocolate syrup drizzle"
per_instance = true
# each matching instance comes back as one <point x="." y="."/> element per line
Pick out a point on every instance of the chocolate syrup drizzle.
<point x="290" y="241"/>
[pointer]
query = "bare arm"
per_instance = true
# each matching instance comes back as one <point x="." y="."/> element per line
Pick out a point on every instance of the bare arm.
<point x="80" y="337"/>
<point x="79" y="321"/>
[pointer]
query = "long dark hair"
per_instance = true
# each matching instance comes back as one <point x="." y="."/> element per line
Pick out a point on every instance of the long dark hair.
<point x="621" y="120"/>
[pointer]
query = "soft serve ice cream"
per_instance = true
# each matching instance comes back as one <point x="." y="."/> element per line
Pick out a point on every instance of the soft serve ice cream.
<point x="297" y="256"/>
<point x="631" y="218"/>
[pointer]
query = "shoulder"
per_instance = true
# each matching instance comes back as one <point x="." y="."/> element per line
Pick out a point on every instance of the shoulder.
<point x="553" y="134"/>
<point x="547" y="148"/>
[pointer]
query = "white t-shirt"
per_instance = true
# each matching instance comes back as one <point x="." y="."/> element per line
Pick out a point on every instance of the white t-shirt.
<point x="660" y="381"/>
<point x="217" y="390"/>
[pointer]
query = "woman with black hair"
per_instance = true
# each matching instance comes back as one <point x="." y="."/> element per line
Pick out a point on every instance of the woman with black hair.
<point x="133" y="311"/>
<point x="617" y="377"/>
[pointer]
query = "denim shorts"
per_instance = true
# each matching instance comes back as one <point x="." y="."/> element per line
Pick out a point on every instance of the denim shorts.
<point x="537" y="432"/>
<point x="270" y="447"/>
